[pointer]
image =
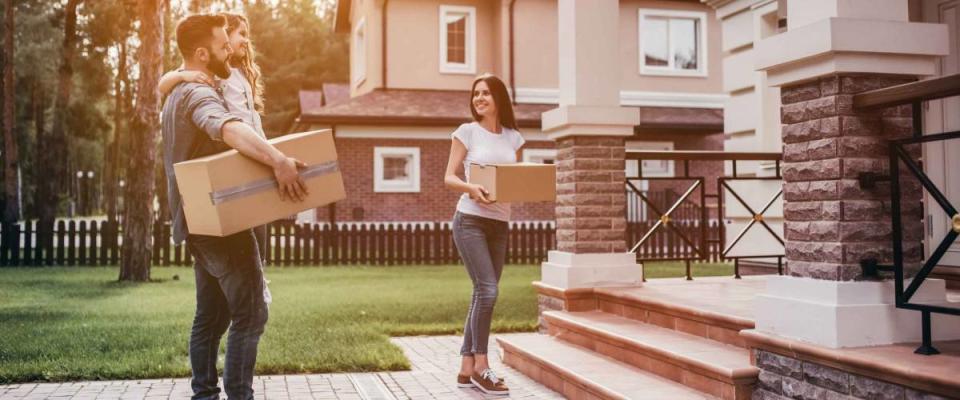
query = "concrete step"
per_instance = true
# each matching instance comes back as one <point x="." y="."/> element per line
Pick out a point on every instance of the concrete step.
<point x="655" y="305"/>
<point x="578" y="373"/>
<point x="711" y="367"/>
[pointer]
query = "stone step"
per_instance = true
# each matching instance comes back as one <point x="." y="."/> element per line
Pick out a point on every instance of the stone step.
<point x="578" y="373"/>
<point x="711" y="367"/>
<point x="654" y="306"/>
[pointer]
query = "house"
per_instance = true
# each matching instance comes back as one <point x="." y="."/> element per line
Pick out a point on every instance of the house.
<point x="412" y="63"/>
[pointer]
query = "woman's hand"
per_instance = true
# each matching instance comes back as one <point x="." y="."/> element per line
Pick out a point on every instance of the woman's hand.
<point x="195" y="77"/>
<point x="478" y="193"/>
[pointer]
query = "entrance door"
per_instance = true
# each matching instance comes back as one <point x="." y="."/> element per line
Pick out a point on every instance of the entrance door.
<point x="942" y="159"/>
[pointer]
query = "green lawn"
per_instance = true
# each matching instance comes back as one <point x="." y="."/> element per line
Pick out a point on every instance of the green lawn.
<point x="78" y="323"/>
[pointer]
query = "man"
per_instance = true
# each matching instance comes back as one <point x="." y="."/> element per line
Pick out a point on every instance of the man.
<point x="229" y="275"/>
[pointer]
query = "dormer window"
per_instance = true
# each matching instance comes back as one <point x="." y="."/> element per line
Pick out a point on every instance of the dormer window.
<point x="458" y="40"/>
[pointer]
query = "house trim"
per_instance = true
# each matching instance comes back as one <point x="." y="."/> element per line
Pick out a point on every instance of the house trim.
<point x="631" y="98"/>
<point x="360" y="61"/>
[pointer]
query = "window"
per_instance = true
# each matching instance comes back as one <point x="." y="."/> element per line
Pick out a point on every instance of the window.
<point x="672" y="42"/>
<point x="651" y="168"/>
<point x="458" y="34"/>
<point x="396" y="169"/>
<point x="540" y="156"/>
<point x="359" y="53"/>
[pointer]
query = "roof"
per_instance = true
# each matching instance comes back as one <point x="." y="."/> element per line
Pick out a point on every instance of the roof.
<point x="449" y="107"/>
<point x="413" y="107"/>
<point x="335" y="93"/>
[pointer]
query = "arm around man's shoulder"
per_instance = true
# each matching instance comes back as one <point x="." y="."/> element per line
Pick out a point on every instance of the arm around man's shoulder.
<point x="206" y="108"/>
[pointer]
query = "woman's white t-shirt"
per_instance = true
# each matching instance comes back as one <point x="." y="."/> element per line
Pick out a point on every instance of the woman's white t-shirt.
<point x="485" y="147"/>
<point x="239" y="97"/>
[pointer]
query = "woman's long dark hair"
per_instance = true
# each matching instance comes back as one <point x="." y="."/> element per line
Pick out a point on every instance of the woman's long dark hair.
<point x="500" y="99"/>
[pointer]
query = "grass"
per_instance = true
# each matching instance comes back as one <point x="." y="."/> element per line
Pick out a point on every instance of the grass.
<point x="62" y="324"/>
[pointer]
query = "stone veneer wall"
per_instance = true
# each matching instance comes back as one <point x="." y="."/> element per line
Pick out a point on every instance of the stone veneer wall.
<point x="591" y="205"/>
<point x="831" y="222"/>
<point x="783" y="378"/>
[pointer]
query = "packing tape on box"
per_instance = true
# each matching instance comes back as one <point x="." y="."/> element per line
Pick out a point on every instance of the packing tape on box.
<point x="250" y="188"/>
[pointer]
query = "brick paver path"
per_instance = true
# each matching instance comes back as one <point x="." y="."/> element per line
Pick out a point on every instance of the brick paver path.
<point x="434" y="364"/>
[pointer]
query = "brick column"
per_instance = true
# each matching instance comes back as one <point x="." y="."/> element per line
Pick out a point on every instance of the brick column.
<point x="832" y="223"/>
<point x="591" y="204"/>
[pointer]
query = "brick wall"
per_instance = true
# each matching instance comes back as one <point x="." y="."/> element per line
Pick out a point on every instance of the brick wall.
<point x="783" y="377"/>
<point x="590" y="195"/>
<point x="831" y="222"/>
<point x="434" y="202"/>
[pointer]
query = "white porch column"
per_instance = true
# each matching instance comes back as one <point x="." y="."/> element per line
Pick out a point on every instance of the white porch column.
<point x="589" y="127"/>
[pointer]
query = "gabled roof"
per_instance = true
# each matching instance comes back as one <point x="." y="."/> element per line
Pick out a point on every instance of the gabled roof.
<point x="450" y="107"/>
<point x="412" y="107"/>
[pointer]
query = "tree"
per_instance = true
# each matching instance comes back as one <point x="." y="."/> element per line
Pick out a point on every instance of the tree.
<point x="54" y="160"/>
<point x="11" y="164"/>
<point x="144" y="128"/>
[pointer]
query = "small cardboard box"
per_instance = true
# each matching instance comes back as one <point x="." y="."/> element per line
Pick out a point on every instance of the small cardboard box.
<point x="514" y="183"/>
<point x="226" y="193"/>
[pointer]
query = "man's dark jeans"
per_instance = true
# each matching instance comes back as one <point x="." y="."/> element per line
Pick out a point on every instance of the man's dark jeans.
<point x="230" y="289"/>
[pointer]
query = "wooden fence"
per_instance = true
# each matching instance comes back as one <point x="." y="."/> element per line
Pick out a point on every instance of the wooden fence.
<point x="98" y="243"/>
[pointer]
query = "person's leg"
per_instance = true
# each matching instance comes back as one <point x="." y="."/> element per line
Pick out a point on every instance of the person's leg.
<point x="468" y="236"/>
<point x="471" y="241"/>
<point x="497" y="235"/>
<point x="210" y="321"/>
<point x="262" y="241"/>
<point x="243" y="288"/>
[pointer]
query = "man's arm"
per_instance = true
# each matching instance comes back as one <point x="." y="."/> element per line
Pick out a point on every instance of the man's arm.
<point x="242" y="137"/>
<point x="210" y="115"/>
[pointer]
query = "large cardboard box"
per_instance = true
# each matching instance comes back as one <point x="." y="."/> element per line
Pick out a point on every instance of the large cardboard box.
<point x="228" y="192"/>
<point x="514" y="183"/>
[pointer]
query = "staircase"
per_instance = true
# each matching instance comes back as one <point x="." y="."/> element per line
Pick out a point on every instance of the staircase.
<point x="620" y="344"/>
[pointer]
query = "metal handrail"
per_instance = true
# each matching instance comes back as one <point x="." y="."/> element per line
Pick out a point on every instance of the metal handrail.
<point x="909" y="93"/>
<point x="914" y="94"/>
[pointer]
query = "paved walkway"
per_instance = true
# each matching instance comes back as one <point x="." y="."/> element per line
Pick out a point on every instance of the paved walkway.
<point x="434" y="364"/>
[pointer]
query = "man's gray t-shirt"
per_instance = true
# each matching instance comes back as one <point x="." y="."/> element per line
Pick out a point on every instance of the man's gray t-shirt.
<point x="191" y="121"/>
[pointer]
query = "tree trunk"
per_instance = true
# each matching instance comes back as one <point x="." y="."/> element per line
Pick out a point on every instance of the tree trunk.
<point x="11" y="164"/>
<point x="41" y="157"/>
<point x="50" y="191"/>
<point x="139" y="191"/>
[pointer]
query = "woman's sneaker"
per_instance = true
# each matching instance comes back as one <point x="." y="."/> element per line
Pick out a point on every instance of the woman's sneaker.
<point x="488" y="382"/>
<point x="463" y="381"/>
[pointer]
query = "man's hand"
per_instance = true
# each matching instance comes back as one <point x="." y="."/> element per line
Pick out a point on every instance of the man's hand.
<point x="291" y="186"/>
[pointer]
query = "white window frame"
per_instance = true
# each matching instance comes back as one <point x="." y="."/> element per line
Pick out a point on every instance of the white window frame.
<point x="382" y="186"/>
<point x="529" y="155"/>
<point x="470" y="56"/>
<point x="360" y="52"/>
<point x="670" y="70"/>
<point x="665" y="169"/>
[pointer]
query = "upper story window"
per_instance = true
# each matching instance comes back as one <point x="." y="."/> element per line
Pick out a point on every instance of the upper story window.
<point x="359" y="53"/>
<point x="672" y="42"/>
<point x="458" y="43"/>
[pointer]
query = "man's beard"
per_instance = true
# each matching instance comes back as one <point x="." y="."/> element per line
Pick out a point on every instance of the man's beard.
<point x="220" y="68"/>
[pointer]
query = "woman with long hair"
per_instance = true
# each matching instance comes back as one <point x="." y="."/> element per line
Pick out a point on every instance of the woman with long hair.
<point x="242" y="91"/>
<point x="480" y="226"/>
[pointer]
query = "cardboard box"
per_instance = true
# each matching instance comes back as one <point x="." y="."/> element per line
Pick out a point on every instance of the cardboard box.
<point x="226" y="193"/>
<point x="514" y="183"/>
